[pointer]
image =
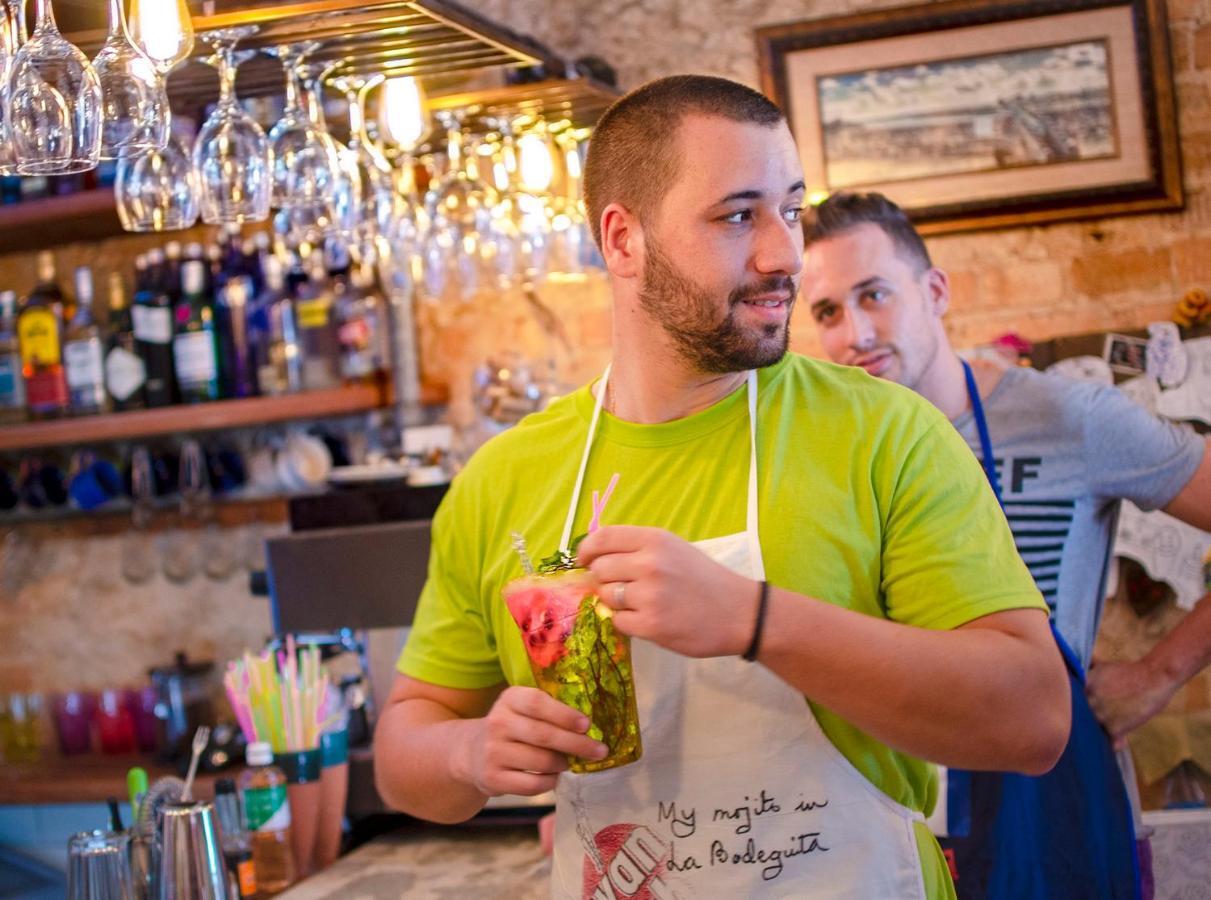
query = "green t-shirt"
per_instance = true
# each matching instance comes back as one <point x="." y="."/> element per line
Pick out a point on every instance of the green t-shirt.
<point x="868" y="498"/>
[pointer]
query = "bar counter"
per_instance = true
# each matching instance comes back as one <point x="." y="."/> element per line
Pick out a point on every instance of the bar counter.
<point x="427" y="862"/>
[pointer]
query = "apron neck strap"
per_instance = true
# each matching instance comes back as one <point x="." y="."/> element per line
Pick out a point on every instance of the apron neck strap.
<point x="603" y="384"/>
<point x="977" y="412"/>
<point x="566" y="537"/>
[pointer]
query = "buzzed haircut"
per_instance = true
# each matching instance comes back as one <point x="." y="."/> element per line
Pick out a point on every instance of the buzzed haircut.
<point x="845" y="211"/>
<point x="633" y="154"/>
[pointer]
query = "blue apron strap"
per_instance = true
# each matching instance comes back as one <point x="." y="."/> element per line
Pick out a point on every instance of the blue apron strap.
<point x="958" y="781"/>
<point x="977" y="412"/>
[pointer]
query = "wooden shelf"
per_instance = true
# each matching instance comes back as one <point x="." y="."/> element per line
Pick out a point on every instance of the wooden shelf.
<point x="191" y="418"/>
<point x="87" y="778"/>
<point x="36" y="224"/>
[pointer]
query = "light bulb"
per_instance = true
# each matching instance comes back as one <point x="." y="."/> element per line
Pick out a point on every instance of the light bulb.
<point x="401" y="114"/>
<point x="535" y="166"/>
<point x="163" y="30"/>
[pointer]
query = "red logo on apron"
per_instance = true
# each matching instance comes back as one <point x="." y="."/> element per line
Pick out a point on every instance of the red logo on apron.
<point x="630" y="861"/>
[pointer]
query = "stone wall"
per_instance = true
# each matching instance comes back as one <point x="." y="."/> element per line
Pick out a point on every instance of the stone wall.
<point x="80" y="624"/>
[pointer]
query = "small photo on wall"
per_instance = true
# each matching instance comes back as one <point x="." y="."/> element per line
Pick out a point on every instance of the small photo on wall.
<point x="1128" y="355"/>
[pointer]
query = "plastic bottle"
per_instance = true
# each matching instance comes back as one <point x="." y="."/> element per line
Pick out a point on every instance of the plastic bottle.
<point x="267" y="819"/>
<point x="241" y="869"/>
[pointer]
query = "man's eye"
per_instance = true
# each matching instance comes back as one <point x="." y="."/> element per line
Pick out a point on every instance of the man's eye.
<point x="825" y="313"/>
<point x="794" y="214"/>
<point x="742" y="215"/>
<point x="875" y="295"/>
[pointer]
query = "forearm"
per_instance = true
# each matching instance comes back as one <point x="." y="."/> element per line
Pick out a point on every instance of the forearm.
<point x="1186" y="649"/>
<point x="419" y="748"/>
<point x="975" y="697"/>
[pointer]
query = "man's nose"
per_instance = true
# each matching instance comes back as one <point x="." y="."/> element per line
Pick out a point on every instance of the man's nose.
<point x="861" y="330"/>
<point x="780" y="248"/>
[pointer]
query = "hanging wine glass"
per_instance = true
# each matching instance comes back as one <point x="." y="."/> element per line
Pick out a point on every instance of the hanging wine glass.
<point x="137" y="563"/>
<point x="299" y="226"/>
<point x="404" y="121"/>
<point x="12" y="15"/>
<point x="158" y="190"/>
<point x="523" y="214"/>
<point x="305" y="161"/>
<point x="365" y="164"/>
<point x="231" y="152"/>
<point x="462" y="243"/>
<point x="54" y="103"/>
<point x="133" y="100"/>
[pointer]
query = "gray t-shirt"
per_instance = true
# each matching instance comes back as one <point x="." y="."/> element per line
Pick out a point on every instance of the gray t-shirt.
<point x="1066" y="453"/>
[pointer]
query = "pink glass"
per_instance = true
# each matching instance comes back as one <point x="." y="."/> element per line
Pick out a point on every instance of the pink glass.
<point x="142" y="706"/>
<point x="73" y="717"/>
<point x="115" y="724"/>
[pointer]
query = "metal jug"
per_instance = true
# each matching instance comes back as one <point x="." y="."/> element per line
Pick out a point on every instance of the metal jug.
<point x="191" y="854"/>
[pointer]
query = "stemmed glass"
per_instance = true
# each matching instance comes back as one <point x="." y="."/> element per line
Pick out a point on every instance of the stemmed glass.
<point x="137" y="564"/>
<point x="365" y="164"/>
<point x="404" y="122"/>
<point x="133" y="100"/>
<point x="158" y="190"/>
<point x="305" y="162"/>
<point x="231" y="152"/>
<point x="12" y="26"/>
<point x="299" y="225"/>
<point x="462" y="241"/>
<point x="307" y="176"/>
<point x="54" y="103"/>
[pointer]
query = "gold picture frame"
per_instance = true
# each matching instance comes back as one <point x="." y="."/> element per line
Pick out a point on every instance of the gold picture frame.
<point x="975" y="114"/>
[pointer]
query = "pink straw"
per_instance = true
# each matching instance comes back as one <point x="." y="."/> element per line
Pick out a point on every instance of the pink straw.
<point x="599" y="507"/>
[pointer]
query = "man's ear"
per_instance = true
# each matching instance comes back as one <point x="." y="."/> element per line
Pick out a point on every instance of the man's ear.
<point x="621" y="241"/>
<point x="937" y="290"/>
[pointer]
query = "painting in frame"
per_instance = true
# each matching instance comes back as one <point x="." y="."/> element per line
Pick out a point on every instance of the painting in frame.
<point x="976" y="114"/>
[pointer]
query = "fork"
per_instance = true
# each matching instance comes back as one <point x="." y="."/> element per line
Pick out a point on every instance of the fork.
<point x="201" y="738"/>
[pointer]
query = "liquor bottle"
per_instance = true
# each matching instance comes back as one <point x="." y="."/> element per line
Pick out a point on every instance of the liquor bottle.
<point x="12" y="384"/>
<point x="318" y="339"/>
<point x="195" y="346"/>
<point x="231" y="304"/>
<point x="125" y="371"/>
<point x="40" y="336"/>
<point x="171" y="279"/>
<point x="362" y="314"/>
<point x="273" y="335"/>
<point x="83" y="352"/>
<point x="151" y="315"/>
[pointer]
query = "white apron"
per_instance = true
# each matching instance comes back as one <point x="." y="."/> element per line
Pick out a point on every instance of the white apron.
<point x="738" y="793"/>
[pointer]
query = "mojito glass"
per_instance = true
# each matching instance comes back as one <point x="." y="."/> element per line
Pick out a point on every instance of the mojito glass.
<point x="579" y="658"/>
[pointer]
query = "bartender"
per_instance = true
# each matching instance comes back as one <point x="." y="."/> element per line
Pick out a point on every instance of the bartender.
<point x="1060" y="455"/>
<point x="812" y="567"/>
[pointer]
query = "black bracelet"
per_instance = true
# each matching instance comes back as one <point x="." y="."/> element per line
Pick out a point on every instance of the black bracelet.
<point x="750" y="655"/>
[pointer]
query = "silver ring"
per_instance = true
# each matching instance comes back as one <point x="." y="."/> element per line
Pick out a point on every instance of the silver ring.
<point x="620" y="596"/>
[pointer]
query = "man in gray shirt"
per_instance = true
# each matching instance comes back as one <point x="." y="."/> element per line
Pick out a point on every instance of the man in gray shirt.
<point x="1061" y="456"/>
<point x="1064" y="452"/>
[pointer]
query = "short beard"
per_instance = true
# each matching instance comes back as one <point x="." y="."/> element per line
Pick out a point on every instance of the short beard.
<point x="687" y="313"/>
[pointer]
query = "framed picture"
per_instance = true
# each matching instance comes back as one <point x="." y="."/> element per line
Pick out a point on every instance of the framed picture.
<point x="1126" y="354"/>
<point x="983" y="114"/>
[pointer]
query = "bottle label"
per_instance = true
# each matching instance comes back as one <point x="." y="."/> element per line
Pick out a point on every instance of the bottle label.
<point x="38" y="335"/>
<point x="46" y="390"/>
<point x="11" y="387"/>
<point x="193" y="353"/>
<point x="266" y="809"/>
<point x="84" y="363"/>
<point x="124" y="373"/>
<point x="313" y="313"/>
<point x="245" y="873"/>
<point x="152" y="324"/>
